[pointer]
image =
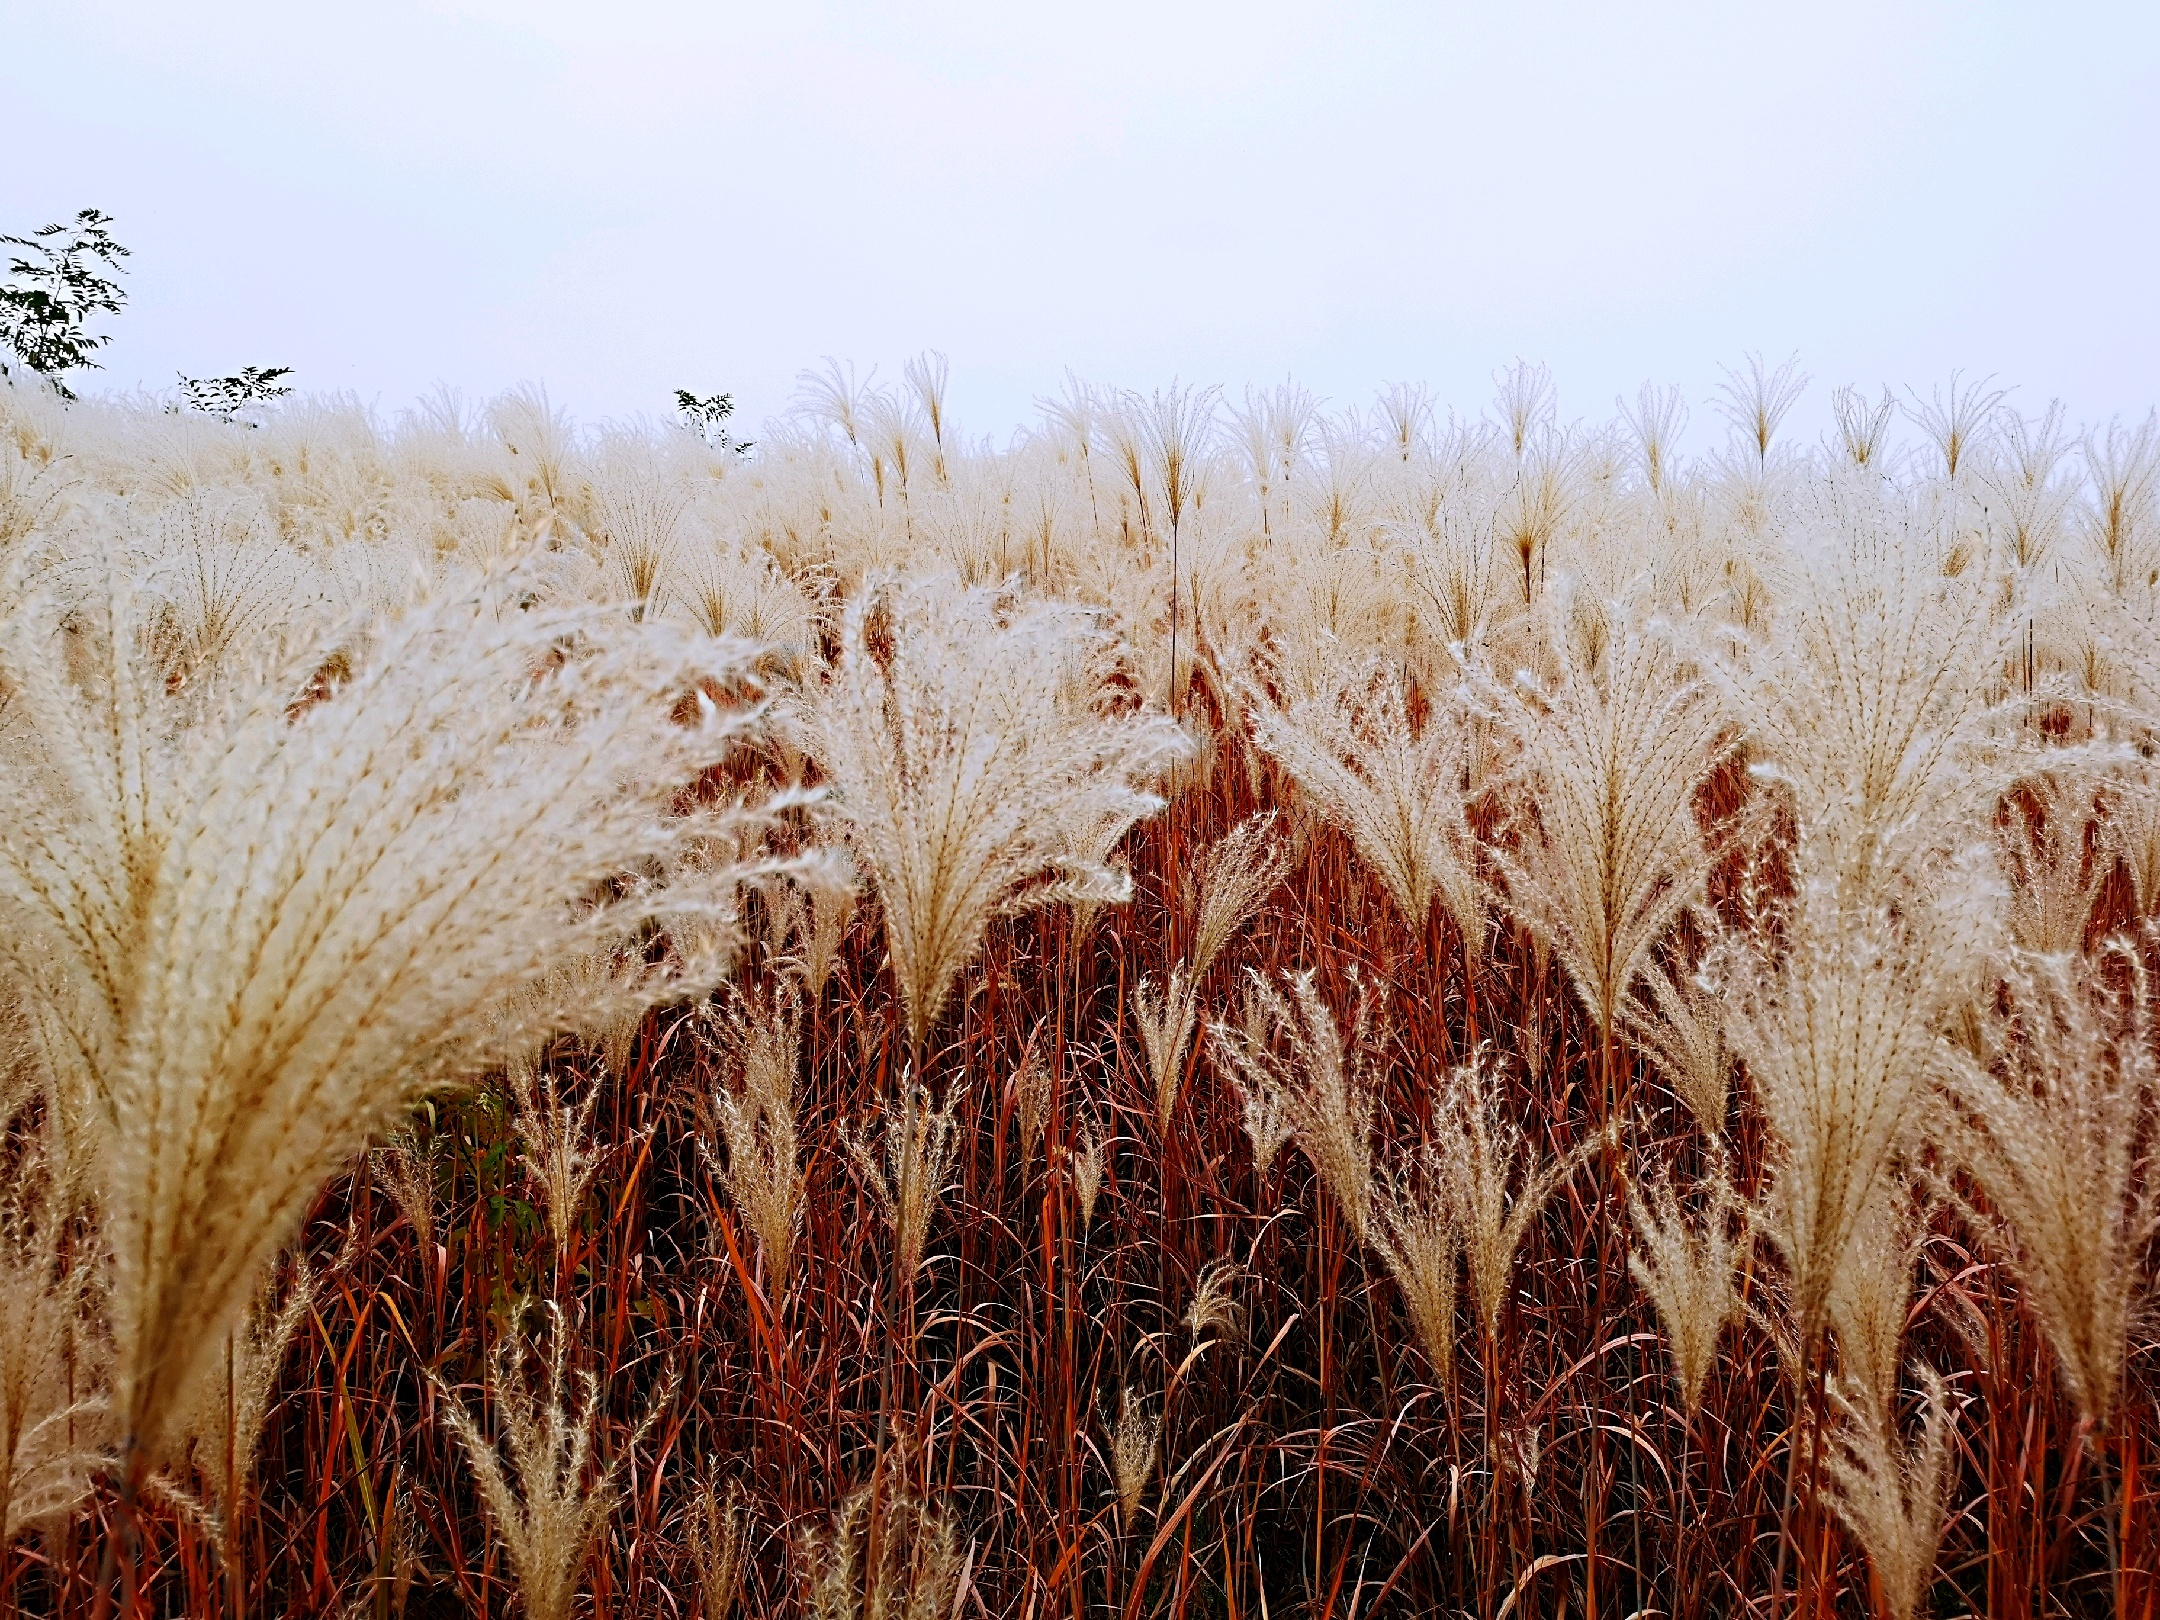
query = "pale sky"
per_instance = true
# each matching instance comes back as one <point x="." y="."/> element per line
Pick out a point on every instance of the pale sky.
<point x="618" y="200"/>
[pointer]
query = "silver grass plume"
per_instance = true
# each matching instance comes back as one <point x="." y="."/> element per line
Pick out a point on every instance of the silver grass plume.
<point x="1232" y="879"/>
<point x="761" y="1169"/>
<point x="1134" y="1441"/>
<point x="718" y="1546"/>
<point x="807" y="919"/>
<point x="405" y="1165"/>
<point x="1215" y="1307"/>
<point x="1756" y="404"/>
<point x="1397" y="790"/>
<point x="227" y="1414"/>
<point x="1655" y="422"/>
<point x="968" y="748"/>
<point x="909" y="1180"/>
<point x="2131" y="832"/>
<point x="1166" y="1019"/>
<point x="1686" y="1264"/>
<point x="1678" y="1019"/>
<point x="1877" y="702"/>
<point x="1498" y="1183"/>
<point x="1894" y="1494"/>
<point x="1871" y="1298"/>
<point x="219" y="584"/>
<point x="556" y="1147"/>
<point x="55" y="1430"/>
<point x="639" y="513"/>
<point x="2055" y="866"/>
<point x="551" y="1503"/>
<point x="1087" y="1165"/>
<point x="255" y="938"/>
<point x="917" y="1568"/>
<point x="1419" y="1238"/>
<point x="1266" y="1119"/>
<point x="1324" y="1087"/>
<point x="1612" y="754"/>
<point x="1034" y="1087"/>
<point x="2055" y="1123"/>
<point x="1840" y="1038"/>
<point x="1861" y="426"/>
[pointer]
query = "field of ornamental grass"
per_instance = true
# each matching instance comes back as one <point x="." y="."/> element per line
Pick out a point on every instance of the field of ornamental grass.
<point x="1230" y="1010"/>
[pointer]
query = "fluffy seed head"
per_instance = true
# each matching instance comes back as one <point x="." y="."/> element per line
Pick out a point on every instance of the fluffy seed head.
<point x="911" y="1179"/>
<point x="1416" y="1231"/>
<point x="1323" y="1088"/>
<point x="255" y="938"/>
<point x="760" y="1036"/>
<point x="550" y="1504"/>
<point x="2056" y="1117"/>
<point x="1133" y="1443"/>
<point x="1894" y="1494"/>
<point x="969" y="754"/>
<point x="1396" y="789"/>
<point x="1686" y="1265"/>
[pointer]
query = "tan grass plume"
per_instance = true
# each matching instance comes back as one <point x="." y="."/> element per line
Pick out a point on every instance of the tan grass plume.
<point x="255" y="940"/>
<point x="968" y="749"/>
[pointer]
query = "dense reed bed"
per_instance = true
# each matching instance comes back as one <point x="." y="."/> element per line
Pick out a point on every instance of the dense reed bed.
<point x="1226" y="1011"/>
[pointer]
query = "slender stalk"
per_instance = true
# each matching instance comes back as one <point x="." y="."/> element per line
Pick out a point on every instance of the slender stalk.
<point x="229" y="1541"/>
<point x="2110" y="1510"/>
<point x="1792" y="1476"/>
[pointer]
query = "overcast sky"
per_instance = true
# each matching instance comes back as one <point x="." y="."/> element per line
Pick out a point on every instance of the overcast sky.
<point x="620" y="199"/>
